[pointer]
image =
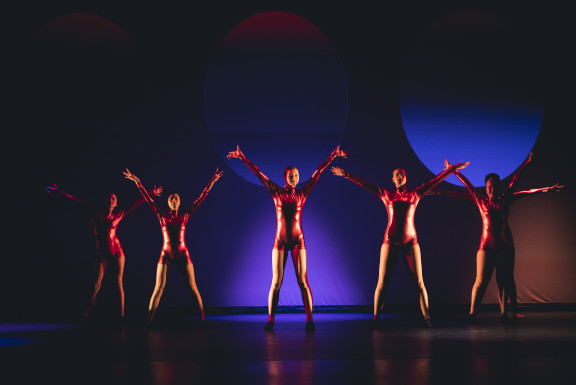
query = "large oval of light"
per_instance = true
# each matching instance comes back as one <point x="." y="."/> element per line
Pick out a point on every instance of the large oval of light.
<point x="275" y="86"/>
<point x="83" y="31"/>
<point x="471" y="91"/>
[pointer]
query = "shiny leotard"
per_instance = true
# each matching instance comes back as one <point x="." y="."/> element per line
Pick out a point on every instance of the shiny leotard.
<point x="496" y="248"/>
<point x="289" y="203"/>
<point x="173" y="229"/>
<point x="401" y="208"/>
<point x="496" y="234"/>
<point x="104" y="225"/>
<point x="495" y="231"/>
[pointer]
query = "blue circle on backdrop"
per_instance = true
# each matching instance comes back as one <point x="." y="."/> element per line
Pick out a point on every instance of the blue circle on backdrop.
<point x="470" y="92"/>
<point x="276" y="87"/>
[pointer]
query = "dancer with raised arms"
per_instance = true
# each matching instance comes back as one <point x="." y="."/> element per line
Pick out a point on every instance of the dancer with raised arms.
<point x="496" y="250"/>
<point x="289" y="202"/>
<point x="174" y="249"/>
<point x="109" y="251"/>
<point x="400" y="232"/>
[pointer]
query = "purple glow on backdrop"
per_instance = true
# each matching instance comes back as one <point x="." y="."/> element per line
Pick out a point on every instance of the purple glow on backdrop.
<point x="330" y="282"/>
<point x="466" y="95"/>
<point x="276" y="87"/>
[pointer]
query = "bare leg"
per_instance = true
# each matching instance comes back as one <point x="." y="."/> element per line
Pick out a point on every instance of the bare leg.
<point x="388" y="259"/>
<point x="512" y="294"/>
<point x="505" y="280"/>
<point x="188" y="274"/>
<point x="484" y="269"/>
<point x="301" y="269"/>
<point x="278" y="266"/>
<point x="502" y="282"/>
<point x="414" y="262"/>
<point x="99" y="269"/>
<point x="119" y="272"/>
<point x="161" y="272"/>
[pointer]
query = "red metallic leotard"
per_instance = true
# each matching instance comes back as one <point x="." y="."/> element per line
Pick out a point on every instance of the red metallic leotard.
<point x="496" y="234"/>
<point x="104" y="227"/>
<point x="289" y="203"/>
<point x="173" y="228"/>
<point x="495" y="231"/>
<point x="107" y="243"/>
<point x="401" y="208"/>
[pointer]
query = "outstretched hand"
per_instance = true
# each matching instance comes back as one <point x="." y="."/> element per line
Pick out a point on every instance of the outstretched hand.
<point x="458" y="166"/>
<point x="132" y="177"/>
<point x="235" y="154"/>
<point x="217" y="175"/>
<point x="339" y="152"/>
<point x="338" y="171"/>
<point x="51" y="189"/>
<point x="556" y="187"/>
<point x="157" y="191"/>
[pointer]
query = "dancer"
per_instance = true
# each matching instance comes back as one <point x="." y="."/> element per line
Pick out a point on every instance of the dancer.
<point x="174" y="250"/>
<point x="289" y="202"/>
<point x="108" y="248"/>
<point x="496" y="249"/>
<point x="400" y="233"/>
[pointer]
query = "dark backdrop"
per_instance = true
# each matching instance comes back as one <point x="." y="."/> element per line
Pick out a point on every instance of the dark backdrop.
<point x="79" y="117"/>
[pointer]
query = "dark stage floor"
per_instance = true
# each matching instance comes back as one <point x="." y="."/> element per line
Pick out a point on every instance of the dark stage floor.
<point x="234" y="349"/>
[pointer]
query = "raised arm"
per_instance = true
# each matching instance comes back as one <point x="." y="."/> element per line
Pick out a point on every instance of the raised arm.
<point x="471" y="195"/>
<point x="519" y="171"/>
<point x="359" y="181"/>
<point x="143" y="191"/>
<point x="422" y="190"/>
<point x="535" y="191"/>
<point x="84" y="206"/>
<point x="263" y="178"/>
<point x="217" y="175"/>
<point x="156" y="191"/>
<point x="451" y="194"/>
<point x="314" y="179"/>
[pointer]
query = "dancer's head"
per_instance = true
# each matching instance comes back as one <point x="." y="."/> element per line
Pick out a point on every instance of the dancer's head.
<point x="399" y="177"/>
<point x="111" y="201"/>
<point x="492" y="181"/>
<point x="291" y="176"/>
<point x="173" y="200"/>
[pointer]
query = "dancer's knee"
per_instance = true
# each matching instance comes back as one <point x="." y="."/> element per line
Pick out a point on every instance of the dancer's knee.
<point x="96" y="286"/>
<point x="480" y="282"/>
<point x="159" y="289"/>
<point x="501" y="282"/>
<point x="276" y="285"/>
<point x="303" y="284"/>
<point x="380" y="286"/>
<point x="420" y="285"/>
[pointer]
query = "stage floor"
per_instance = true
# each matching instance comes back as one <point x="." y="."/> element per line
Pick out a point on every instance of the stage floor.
<point x="344" y="349"/>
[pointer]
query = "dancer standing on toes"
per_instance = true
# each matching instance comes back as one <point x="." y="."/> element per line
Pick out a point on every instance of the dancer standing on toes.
<point x="108" y="248"/>
<point x="496" y="249"/>
<point x="174" y="250"/>
<point x="400" y="233"/>
<point x="289" y="202"/>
